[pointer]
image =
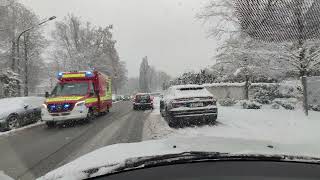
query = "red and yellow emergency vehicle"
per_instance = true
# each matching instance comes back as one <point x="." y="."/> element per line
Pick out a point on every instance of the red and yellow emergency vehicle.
<point x="78" y="96"/>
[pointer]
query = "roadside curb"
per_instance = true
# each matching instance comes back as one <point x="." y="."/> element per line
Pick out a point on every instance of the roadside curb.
<point x="20" y="129"/>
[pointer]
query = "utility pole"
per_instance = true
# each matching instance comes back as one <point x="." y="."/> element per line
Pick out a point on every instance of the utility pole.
<point x="26" y="71"/>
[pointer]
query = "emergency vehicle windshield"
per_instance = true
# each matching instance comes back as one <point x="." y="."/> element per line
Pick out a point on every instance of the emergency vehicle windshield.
<point x="70" y="89"/>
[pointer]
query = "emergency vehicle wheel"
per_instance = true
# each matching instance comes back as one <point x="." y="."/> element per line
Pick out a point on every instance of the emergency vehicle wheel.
<point x="105" y="112"/>
<point x="90" y="116"/>
<point x="51" y="124"/>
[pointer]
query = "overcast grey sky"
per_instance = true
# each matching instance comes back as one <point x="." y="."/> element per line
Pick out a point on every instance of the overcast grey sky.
<point x="164" y="30"/>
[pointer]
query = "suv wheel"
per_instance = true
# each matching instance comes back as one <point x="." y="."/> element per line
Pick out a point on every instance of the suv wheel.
<point x="161" y="113"/>
<point x="171" y="120"/>
<point x="172" y="124"/>
<point x="212" y="120"/>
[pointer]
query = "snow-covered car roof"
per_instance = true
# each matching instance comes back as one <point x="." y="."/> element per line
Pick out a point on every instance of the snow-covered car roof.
<point x="142" y="94"/>
<point x="109" y="158"/>
<point x="187" y="91"/>
<point x="15" y="104"/>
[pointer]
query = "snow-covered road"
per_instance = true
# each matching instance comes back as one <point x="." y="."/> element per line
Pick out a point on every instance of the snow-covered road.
<point x="281" y="126"/>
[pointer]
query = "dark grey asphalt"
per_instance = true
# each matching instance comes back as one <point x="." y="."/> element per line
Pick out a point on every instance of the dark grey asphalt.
<point x="30" y="153"/>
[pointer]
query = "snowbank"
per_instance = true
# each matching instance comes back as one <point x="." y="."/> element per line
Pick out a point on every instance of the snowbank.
<point x="277" y="125"/>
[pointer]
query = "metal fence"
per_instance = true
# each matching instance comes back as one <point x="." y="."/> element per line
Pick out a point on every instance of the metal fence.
<point x="313" y="89"/>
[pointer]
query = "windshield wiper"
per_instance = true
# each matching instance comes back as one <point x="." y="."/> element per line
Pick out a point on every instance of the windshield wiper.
<point x="195" y="156"/>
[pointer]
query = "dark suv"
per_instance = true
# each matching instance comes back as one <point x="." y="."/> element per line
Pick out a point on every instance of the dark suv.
<point x="188" y="104"/>
<point x="142" y="101"/>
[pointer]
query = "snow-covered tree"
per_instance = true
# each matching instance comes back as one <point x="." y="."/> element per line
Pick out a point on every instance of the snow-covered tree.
<point x="222" y="19"/>
<point x="239" y="57"/>
<point x="14" y="19"/>
<point x="288" y="30"/>
<point x="293" y="25"/>
<point x="80" y="46"/>
<point x="144" y="80"/>
<point x="151" y="79"/>
<point x="201" y="77"/>
<point x="9" y="82"/>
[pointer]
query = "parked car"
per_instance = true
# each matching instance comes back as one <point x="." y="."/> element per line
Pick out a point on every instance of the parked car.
<point x="19" y="111"/>
<point x="126" y="98"/>
<point x="120" y="98"/>
<point x="116" y="98"/>
<point x="143" y="101"/>
<point x="186" y="104"/>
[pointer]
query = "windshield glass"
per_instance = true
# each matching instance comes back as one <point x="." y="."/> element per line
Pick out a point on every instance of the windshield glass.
<point x="70" y="88"/>
<point x="115" y="79"/>
<point x="142" y="97"/>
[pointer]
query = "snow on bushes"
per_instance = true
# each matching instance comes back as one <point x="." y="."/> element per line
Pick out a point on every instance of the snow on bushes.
<point x="290" y="89"/>
<point x="314" y="107"/>
<point x="9" y="82"/>
<point x="247" y="104"/>
<point x="287" y="103"/>
<point x="275" y="106"/>
<point x="264" y="93"/>
<point x="227" y="102"/>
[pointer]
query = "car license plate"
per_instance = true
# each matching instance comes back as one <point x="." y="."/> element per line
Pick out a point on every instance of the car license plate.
<point x="196" y="105"/>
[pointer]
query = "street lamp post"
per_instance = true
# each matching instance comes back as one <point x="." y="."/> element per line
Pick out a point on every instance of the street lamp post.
<point x="18" y="46"/>
<point x="30" y="28"/>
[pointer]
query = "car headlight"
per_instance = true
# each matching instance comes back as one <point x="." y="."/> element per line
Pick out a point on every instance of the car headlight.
<point x="44" y="106"/>
<point x="80" y="103"/>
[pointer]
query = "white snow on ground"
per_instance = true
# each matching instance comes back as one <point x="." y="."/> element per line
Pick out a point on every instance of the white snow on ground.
<point x="280" y="125"/>
<point x="264" y="127"/>
<point x="155" y="127"/>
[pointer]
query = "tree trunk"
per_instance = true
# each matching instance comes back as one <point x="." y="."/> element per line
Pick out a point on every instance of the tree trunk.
<point x="13" y="55"/>
<point x="305" y="95"/>
<point x="246" y="88"/>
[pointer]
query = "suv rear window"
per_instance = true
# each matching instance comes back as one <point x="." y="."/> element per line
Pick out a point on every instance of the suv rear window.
<point x="138" y="97"/>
